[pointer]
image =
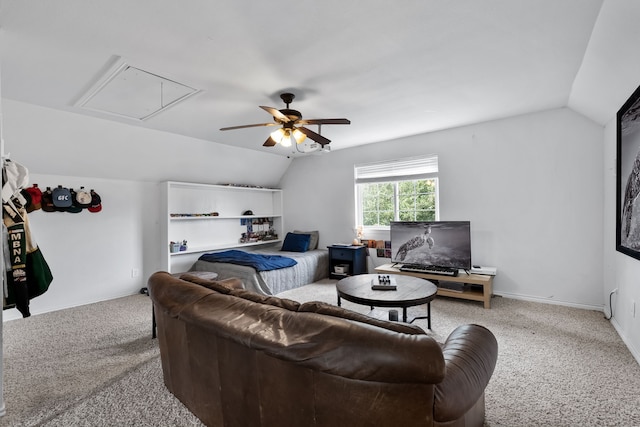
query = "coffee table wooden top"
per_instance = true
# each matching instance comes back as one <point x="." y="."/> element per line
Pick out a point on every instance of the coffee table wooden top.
<point x="410" y="291"/>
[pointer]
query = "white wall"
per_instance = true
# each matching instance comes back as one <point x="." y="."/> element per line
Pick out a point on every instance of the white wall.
<point x="530" y="185"/>
<point x="621" y="271"/>
<point x="609" y="74"/>
<point x="92" y="255"/>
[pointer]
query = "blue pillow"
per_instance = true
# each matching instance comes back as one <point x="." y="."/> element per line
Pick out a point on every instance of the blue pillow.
<point x="296" y="242"/>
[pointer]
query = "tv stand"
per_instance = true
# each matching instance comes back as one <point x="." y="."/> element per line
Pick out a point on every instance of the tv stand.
<point x="474" y="287"/>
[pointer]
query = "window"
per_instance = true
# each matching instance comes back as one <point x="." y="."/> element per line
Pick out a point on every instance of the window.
<point x="397" y="190"/>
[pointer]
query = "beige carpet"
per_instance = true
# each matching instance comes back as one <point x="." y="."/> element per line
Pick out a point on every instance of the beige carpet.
<point x="87" y="366"/>
<point x="97" y="366"/>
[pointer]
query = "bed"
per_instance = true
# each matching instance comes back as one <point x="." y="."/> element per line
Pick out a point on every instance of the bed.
<point x="310" y="267"/>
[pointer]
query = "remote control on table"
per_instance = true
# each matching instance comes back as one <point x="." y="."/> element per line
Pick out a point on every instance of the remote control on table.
<point x="384" y="282"/>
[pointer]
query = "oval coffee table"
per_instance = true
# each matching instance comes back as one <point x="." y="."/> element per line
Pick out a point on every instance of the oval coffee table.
<point x="410" y="291"/>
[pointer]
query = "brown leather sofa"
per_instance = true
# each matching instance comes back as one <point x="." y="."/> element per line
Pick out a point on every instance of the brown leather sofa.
<point x="236" y="358"/>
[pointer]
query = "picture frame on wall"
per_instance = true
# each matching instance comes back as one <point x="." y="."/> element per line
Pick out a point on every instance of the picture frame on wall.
<point x="628" y="177"/>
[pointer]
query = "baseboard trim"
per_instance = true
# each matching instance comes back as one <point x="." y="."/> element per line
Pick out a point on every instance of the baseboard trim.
<point x="14" y="314"/>
<point x="550" y="301"/>
<point x="634" y="352"/>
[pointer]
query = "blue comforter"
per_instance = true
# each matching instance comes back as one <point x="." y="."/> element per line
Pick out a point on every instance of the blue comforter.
<point x="258" y="261"/>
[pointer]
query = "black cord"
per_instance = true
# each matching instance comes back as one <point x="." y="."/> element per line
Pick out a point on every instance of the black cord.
<point x="610" y="306"/>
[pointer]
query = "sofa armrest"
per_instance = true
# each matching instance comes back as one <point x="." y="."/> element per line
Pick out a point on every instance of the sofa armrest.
<point x="470" y="355"/>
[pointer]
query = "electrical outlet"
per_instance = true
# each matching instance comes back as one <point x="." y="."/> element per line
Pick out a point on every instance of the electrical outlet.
<point x="135" y="273"/>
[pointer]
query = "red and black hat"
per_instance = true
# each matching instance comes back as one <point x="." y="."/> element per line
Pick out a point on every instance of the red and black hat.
<point x="36" y="198"/>
<point x="96" y="202"/>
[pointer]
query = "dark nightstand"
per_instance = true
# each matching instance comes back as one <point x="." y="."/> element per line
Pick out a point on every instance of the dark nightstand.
<point x="351" y="259"/>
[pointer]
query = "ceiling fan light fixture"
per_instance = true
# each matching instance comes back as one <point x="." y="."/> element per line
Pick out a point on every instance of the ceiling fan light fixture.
<point x="292" y="126"/>
<point x="299" y="136"/>
<point x="277" y="135"/>
<point x="286" y="140"/>
<point x="282" y="136"/>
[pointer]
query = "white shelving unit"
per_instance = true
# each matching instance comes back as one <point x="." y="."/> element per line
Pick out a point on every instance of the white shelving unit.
<point x="188" y="209"/>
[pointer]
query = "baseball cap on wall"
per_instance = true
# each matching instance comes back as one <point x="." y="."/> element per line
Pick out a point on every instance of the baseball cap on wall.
<point x="36" y="198"/>
<point x="96" y="202"/>
<point x="62" y="198"/>
<point x="47" y="201"/>
<point x="83" y="198"/>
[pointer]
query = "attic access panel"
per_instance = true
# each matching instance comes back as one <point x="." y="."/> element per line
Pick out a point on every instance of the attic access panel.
<point x="134" y="93"/>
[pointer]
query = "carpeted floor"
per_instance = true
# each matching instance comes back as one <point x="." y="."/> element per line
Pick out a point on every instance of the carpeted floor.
<point x="96" y="365"/>
<point x="87" y="366"/>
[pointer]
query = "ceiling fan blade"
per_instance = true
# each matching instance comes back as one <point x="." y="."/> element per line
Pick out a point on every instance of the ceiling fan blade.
<point x="325" y="122"/>
<point x="269" y="142"/>
<point x="276" y="113"/>
<point x="249" y="126"/>
<point x="315" y="136"/>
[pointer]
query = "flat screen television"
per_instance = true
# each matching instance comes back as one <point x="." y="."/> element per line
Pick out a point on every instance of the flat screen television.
<point x="433" y="243"/>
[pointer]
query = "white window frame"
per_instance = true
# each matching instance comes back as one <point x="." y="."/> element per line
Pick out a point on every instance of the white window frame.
<point x="394" y="171"/>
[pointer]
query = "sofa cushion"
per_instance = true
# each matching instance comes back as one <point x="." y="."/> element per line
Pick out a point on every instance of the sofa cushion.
<point x="265" y="299"/>
<point x="332" y="310"/>
<point x="223" y="286"/>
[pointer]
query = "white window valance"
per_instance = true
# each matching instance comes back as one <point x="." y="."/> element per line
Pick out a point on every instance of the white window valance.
<point x="397" y="170"/>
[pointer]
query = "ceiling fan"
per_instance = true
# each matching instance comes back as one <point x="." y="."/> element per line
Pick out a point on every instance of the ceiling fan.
<point x="292" y="125"/>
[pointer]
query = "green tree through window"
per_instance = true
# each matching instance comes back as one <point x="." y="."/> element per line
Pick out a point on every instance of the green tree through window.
<point x="378" y="204"/>
<point x="383" y="202"/>
<point x="417" y="200"/>
<point x="396" y="190"/>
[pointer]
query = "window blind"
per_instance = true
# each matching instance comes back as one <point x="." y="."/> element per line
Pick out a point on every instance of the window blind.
<point x="397" y="170"/>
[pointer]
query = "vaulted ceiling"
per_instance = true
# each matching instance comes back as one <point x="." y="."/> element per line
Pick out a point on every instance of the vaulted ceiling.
<point x="393" y="68"/>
